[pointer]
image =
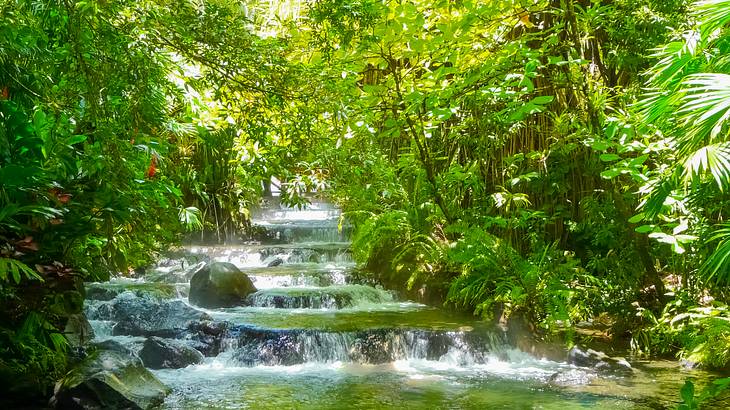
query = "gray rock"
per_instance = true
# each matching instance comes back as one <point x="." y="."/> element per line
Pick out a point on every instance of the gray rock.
<point x="78" y="331"/>
<point x="109" y="379"/>
<point x="114" y="346"/>
<point x="207" y="336"/>
<point x="146" y="316"/>
<point x="159" y="353"/>
<point x="597" y="360"/>
<point x="219" y="284"/>
<point x="275" y="262"/>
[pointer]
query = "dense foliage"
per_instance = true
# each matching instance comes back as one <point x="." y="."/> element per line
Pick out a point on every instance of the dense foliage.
<point x="558" y="162"/>
<point x="562" y="162"/>
<point x="117" y="136"/>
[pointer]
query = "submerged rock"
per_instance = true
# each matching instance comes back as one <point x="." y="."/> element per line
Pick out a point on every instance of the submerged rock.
<point x="109" y="379"/>
<point x="159" y="353"/>
<point x="219" y="284"/>
<point x="571" y="377"/>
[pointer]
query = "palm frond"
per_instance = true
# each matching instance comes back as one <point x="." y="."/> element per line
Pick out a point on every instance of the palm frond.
<point x="191" y="218"/>
<point x="654" y="202"/>
<point x="717" y="266"/>
<point x="656" y="104"/>
<point x="673" y="60"/>
<point x="713" y="159"/>
<point x="713" y="14"/>
<point x="705" y="108"/>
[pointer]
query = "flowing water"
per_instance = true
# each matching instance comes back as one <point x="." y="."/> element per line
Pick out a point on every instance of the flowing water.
<point x="311" y="339"/>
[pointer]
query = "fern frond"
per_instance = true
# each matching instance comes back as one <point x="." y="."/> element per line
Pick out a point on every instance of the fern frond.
<point x="16" y="270"/>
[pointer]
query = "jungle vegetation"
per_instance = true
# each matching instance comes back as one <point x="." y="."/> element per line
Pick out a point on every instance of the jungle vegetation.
<point x="556" y="162"/>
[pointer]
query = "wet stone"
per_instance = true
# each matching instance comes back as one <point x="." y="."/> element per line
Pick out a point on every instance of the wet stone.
<point x="145" y="316"/>
<point x="110" y="290"/>
<point x="159" y="353"/>
<point x="207" y="336"/>
<point x="597" y="360"/>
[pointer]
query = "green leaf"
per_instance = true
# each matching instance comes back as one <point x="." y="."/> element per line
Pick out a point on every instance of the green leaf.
<point x="636" y="218"/>
<point x="645" y="228"/>
<point x="599" y="145"/>
<point x="75" y="139"/>
<point x="687" y="393"/>
<point x="542" y="100"/>
<point x="611" y="173"/>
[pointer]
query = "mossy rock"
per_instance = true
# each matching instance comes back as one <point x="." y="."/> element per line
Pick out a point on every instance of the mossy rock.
<point x="220" y="284"/>
<point x="78" y="330"/>
<point x="110" y="379"/>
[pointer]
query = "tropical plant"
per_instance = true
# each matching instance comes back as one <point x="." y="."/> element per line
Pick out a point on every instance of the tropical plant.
<point x="690" y="101"/>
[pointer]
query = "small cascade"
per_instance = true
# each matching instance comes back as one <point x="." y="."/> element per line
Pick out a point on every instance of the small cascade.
<point x="298" y="275"/>
<point x="102" y="328"/>
<point x="304" y="233"/>
<point x="256" y="346"/>
<point x="256" y="256"/>
<point x="311" y="335"/>
<point x="331" y="297"/>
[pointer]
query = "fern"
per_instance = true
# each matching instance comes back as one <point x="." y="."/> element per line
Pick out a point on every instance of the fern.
<point x="16" y="270"/>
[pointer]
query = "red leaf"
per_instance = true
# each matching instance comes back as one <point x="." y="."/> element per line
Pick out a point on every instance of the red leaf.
<point x="152" y="170"/>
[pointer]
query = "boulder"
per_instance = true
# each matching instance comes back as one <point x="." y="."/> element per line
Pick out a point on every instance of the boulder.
<point x="159" y="353"/>
<point x="219" y="284"/>
<point x="109" y="379"/>
<point x="114" y="346"/>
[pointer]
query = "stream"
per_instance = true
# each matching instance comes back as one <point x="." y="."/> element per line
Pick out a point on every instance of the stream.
<point x="313" y="338"/>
